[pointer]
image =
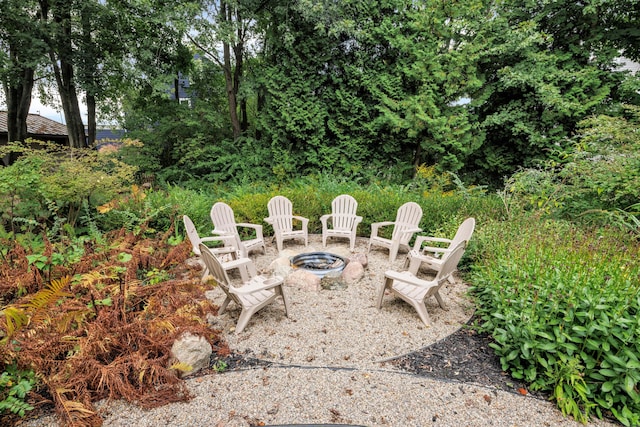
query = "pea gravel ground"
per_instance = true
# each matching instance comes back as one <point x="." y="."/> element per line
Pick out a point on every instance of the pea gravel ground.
<point x="331" y="362"/>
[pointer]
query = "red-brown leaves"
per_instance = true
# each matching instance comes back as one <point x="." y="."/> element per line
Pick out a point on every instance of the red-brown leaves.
<point x="109" y="334"/>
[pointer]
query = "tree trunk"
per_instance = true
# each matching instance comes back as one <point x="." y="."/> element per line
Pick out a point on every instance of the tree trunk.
<point x="238" y="52"/>
<point x="91" y="120"/>
<point x="61" y="57"/>
<point x="88" y="72"/>
<point x="228" y="76"/>
<point x="18" y="95"/>
<point x="18" y="104"/>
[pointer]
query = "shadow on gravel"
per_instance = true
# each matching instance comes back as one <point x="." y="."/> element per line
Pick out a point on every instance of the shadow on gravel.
<point x="464" y="356"/>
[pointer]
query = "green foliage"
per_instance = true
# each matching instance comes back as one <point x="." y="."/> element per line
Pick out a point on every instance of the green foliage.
<point x="546" y="66"/>
<point x="561" y="303"/>
<point x="15" y="385"/>
<point x="48" y="184"/>
<point x="597" y="180"/>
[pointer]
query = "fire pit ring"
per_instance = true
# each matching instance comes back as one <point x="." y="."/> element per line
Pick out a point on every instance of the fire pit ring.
<point x="319" y="263"/>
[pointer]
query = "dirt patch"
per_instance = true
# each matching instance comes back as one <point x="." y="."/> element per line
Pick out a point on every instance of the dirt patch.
<point x="462" y="356"/>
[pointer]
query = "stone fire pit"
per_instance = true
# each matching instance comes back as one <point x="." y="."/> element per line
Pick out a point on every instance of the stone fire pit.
<point x="319" y="263"/>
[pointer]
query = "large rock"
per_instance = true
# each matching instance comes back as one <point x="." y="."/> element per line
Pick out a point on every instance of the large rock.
<point x="192" y="350"/>
<point x="303" y="280"/>
<point x="333" y="281"/>
<point x="280" y="266"/>
<point x="353" y="272"/>
<point x="359" y="258"/>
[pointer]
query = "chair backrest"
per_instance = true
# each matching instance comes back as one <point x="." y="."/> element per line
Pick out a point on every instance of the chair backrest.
<point x="451" y="262"/>
<point x="217" y="271"/>
<point x="343" y="211"/>
<point x="192" y="233"/>
<point x="464" y="233"/>
<point x="223" y="218"/>
<point x="281" y="213"/>
<point x="408" y="217"/>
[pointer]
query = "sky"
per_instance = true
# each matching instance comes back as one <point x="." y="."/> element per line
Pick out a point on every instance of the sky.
<point x="48" y="111"/>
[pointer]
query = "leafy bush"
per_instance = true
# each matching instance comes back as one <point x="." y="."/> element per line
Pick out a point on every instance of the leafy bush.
<point x="562" y="305"/>
<point x="15" y="385"/>
<point x="598" y="180"/>
<point x="48" y="184"/>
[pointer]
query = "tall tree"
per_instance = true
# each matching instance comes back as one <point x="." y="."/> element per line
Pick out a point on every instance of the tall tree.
<point x="21" y="53"/>
<point x="222" y="32"/>
<point x="59" y="17"/>
<point x="97" y="46"/>
<point x="547" y="65"/>
<point x="351" y="85"/>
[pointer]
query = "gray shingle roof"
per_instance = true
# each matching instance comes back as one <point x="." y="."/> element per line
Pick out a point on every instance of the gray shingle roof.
<point x="36" y="125"/>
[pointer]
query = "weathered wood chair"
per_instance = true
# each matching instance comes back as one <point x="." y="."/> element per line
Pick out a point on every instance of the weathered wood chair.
<point x="342" y="222"/>
<point x="415" y="291"/>
<point x="252" y="296"/>
<point x="406" y="224"/>
<point x="228" y="253"/>
<point x="281" y="219"/>
<point x="433" y="256"/>
<point x="225" y="224"/>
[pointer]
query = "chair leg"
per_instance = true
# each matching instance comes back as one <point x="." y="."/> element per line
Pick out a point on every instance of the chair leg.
<point x="414" y="264"/>
<point x="388" y="282"/>
<point x="244" y="273"/>
<point x="440" y="301"/>
<point x="280" y="291"/>
<point x="393" y="253"/>
<point x="205" y="273"/>
<point x="224" y="305"/>
<point x="243" y="320"/>
<point x="422" y="312"/>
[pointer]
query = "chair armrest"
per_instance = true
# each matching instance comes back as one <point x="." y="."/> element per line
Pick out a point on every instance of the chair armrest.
<point x="421" y="239"/>
<point x="376" y="225"/>
<point x="407" y="277"/>
<point x="223" y="234"/>
<point x="434" y="250"/>
<point x="262" y="285"/>
<point x="221" y="238"/>
<point x="237" y="263"/>
<point x="410" y="231"/>
<point x="305" y="221"/>
<point x="256" y="227"/>
<point x="357" y="221"/>
<point x="324" y="219"/>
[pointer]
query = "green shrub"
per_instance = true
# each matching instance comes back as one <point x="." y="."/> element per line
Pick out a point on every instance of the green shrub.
<point x="15" y="385"/>
<point x="597" y="181"/>
<point x="47" y="186"/>
<point x="562" y="304"/>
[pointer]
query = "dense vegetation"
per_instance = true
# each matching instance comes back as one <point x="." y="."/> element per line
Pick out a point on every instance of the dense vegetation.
<point x="441" y="103"/>
<point x="86" y="270"/>
<point x="351" y="88"/>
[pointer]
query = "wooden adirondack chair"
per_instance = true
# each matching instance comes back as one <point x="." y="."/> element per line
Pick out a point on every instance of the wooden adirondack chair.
<point x="281" y="219"/>
<point x="228" y="252"/>
<point x="432" y="257"/>
<point x="342" y="222"/>
<point x="415" y="291"/>
<point x="253" y="295"/>
<point x="225" y="224"/>
<point x="406" y="224"/>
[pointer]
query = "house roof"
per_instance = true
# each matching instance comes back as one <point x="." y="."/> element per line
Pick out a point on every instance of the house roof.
<point x="36" y="125"/>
